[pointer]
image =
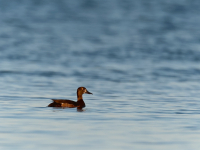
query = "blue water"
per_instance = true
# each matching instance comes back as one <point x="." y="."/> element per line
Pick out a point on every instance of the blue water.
<point x="140" y="59"/>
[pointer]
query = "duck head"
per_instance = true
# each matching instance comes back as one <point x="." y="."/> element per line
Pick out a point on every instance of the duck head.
<point x="81" y="91"/>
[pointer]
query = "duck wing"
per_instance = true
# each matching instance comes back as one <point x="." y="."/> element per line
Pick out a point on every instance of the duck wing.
<point x="64" y="101"/>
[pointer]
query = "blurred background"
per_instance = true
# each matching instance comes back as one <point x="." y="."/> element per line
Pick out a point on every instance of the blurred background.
<point x="139" y="58"/>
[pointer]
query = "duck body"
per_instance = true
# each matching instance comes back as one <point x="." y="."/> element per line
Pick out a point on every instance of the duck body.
<point x="69" y="103"/>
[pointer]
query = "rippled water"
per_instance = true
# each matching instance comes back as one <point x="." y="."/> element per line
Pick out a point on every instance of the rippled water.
<point x="140" y="59"/>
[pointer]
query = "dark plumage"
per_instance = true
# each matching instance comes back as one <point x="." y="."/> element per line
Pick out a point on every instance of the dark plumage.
<point x="69" y="103"/>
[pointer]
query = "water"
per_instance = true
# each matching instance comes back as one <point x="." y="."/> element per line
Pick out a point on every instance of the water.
<point x="140" y="59"/>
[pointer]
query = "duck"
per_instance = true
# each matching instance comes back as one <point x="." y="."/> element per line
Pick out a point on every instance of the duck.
<point x="69" y="103"/>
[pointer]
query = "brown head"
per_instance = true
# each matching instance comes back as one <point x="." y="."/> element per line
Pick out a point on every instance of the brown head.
<point x="81" y="91"/>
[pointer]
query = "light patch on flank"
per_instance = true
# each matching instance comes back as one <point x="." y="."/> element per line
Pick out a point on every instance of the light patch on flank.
<point x="67" y="105"/>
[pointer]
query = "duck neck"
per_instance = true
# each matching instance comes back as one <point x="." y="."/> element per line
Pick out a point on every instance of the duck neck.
<point x="79" y="96"/>
<point x="80" y="101"/>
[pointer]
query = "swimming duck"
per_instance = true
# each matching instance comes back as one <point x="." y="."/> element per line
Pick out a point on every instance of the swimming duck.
<point x="69" y="103"/>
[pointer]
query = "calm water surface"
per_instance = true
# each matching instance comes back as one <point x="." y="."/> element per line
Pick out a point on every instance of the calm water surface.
<point x="140" y="59"/>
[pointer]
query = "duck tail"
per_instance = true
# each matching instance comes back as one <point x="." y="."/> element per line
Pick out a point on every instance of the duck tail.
<point x="54" y="104"/>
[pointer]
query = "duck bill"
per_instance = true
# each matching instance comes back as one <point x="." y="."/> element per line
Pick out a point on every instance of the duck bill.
<point x="87" y="92"/>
